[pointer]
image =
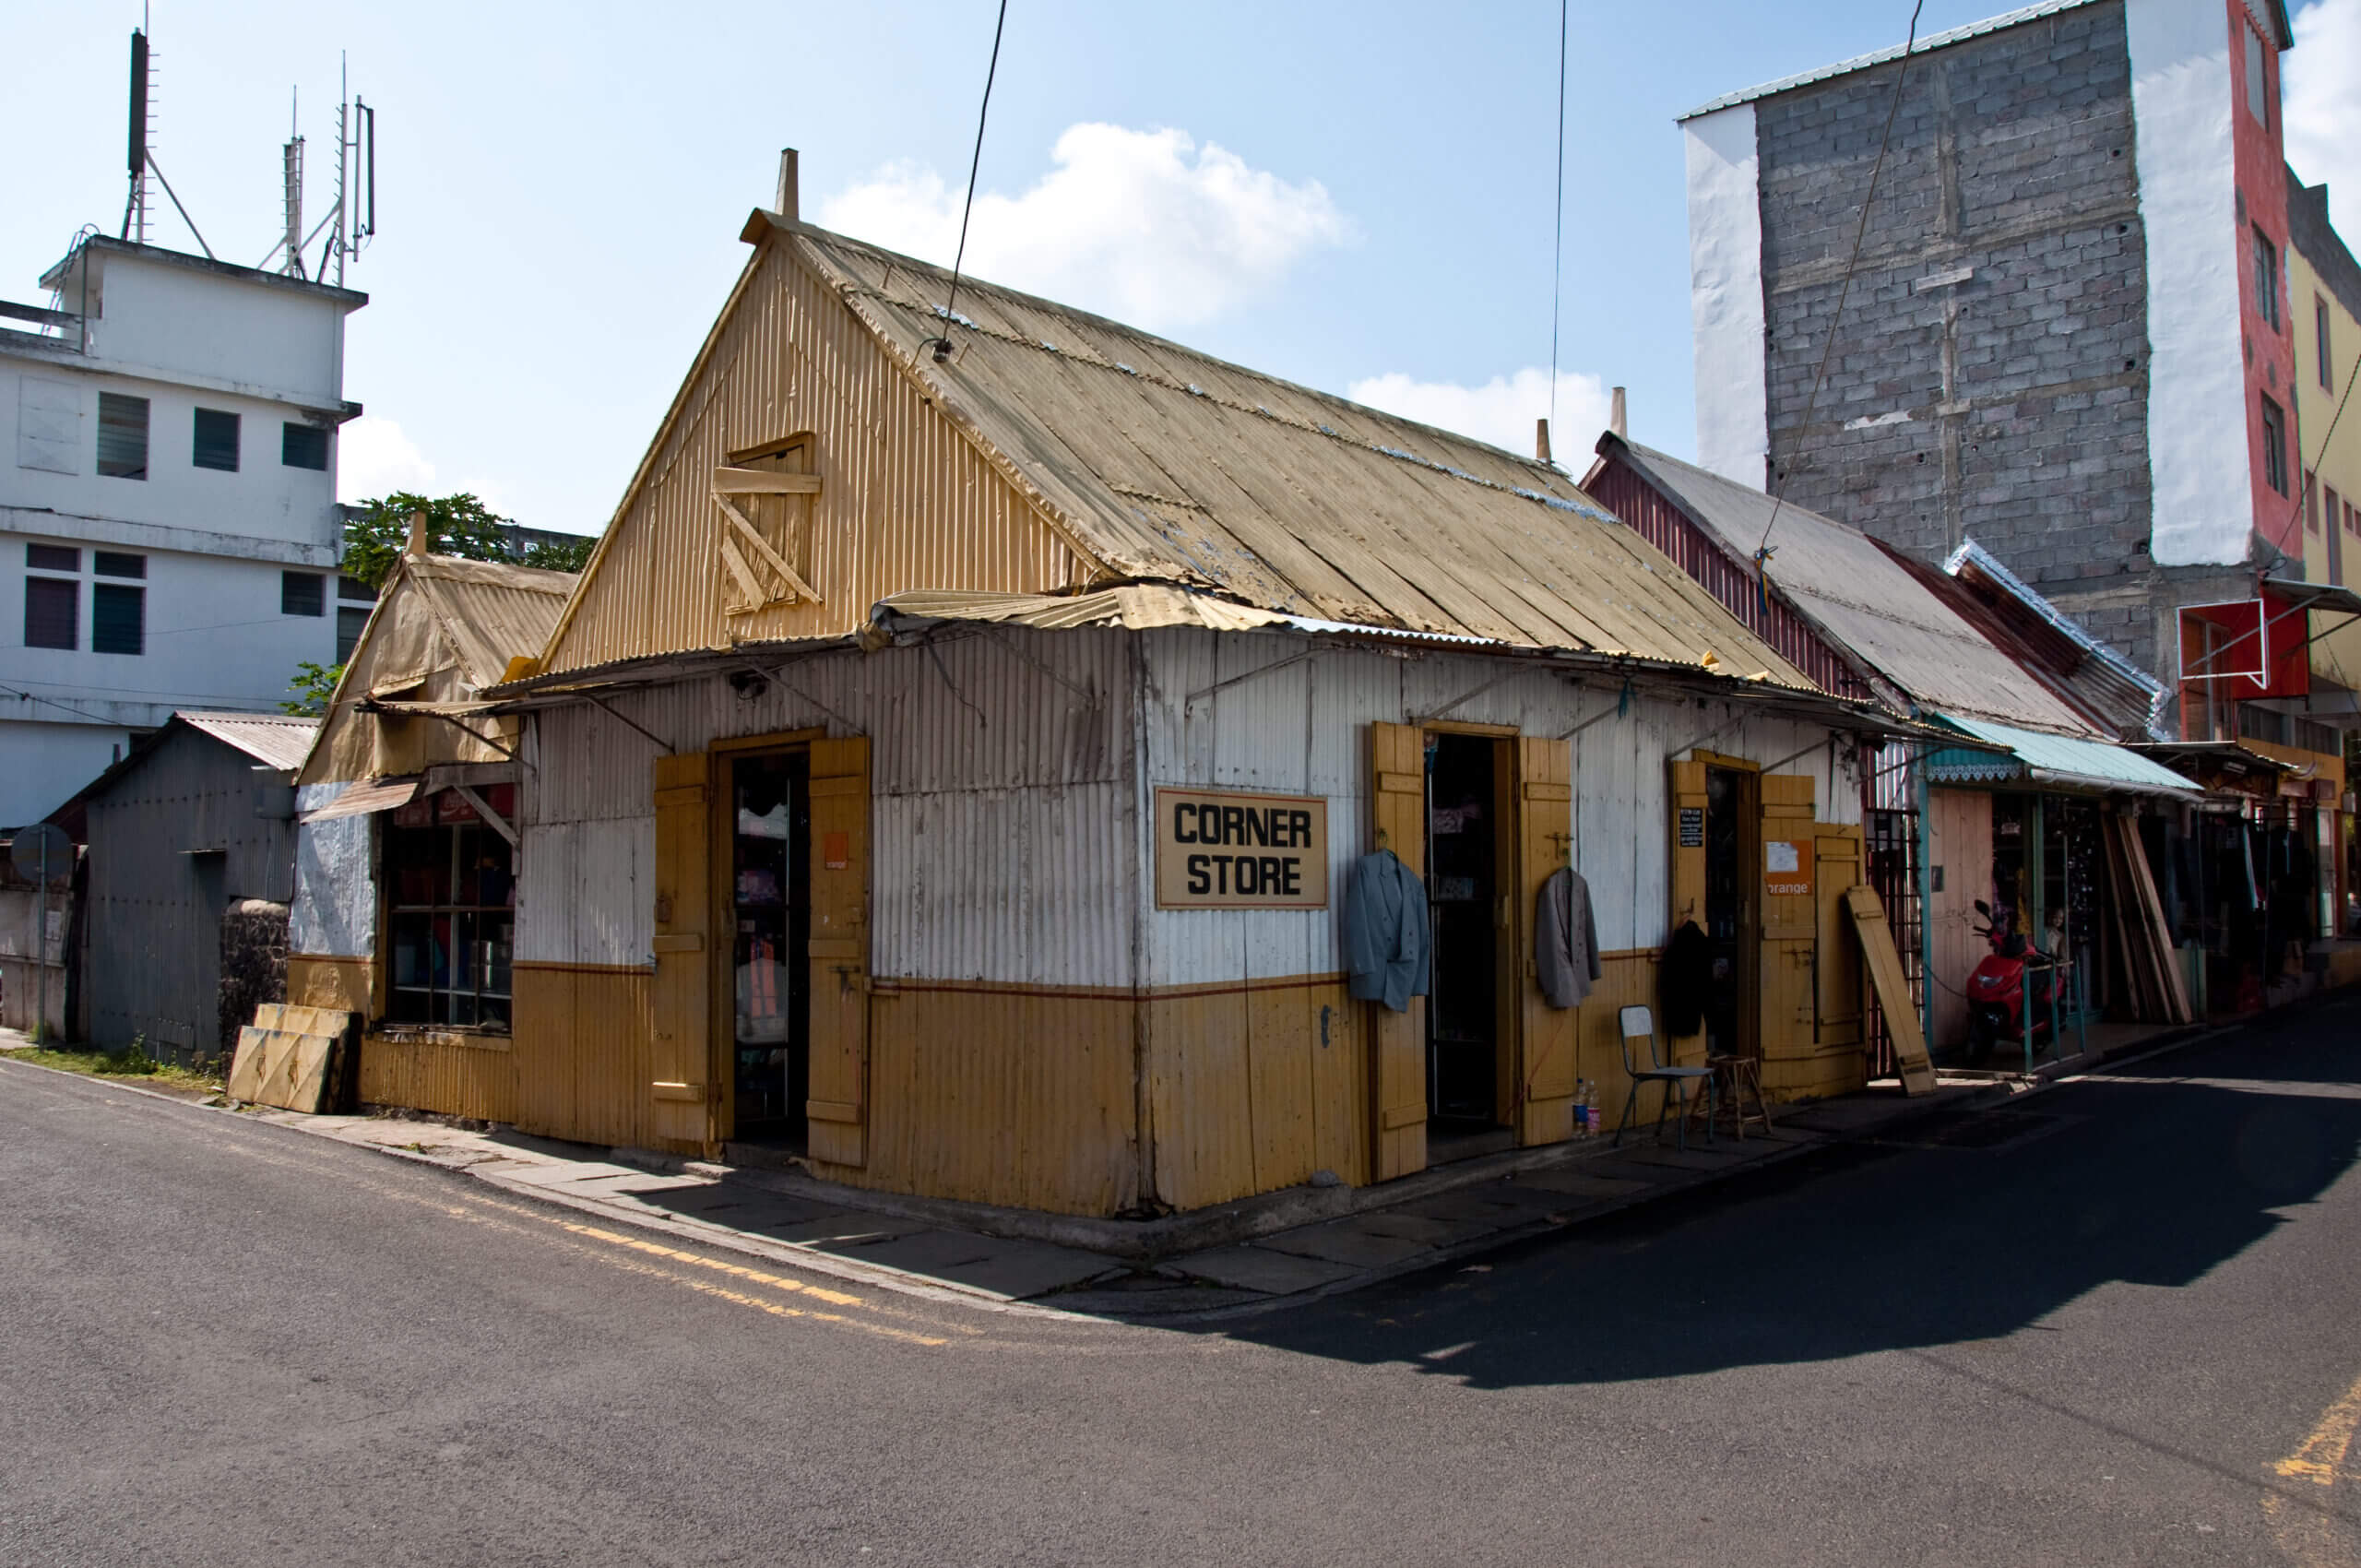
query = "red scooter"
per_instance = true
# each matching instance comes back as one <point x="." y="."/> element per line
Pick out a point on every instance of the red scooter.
<point x="1996" y="992"/>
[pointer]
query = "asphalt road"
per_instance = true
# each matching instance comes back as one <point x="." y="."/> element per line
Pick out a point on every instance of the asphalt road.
<point x="2124" y="1333"/>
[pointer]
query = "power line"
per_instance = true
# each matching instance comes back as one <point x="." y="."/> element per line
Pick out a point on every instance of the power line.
<point x="950" y="308"/>
<point x="1557" y="252"/>
<point x="1860" y="232"/>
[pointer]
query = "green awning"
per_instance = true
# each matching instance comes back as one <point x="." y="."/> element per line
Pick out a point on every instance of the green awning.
<point x="2007" y="752"/>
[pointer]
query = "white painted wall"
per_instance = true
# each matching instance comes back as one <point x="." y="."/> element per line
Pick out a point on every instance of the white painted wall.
<point x="41" y="765"/>
<point x="2181" y="106"/>
<point x="183" y="335"/>
<point x="1725" y="294"/>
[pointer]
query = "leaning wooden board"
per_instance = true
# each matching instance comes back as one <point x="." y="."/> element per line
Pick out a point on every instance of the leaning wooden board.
<point x="1894" y="989"/>
<point x="287" y="1057"/>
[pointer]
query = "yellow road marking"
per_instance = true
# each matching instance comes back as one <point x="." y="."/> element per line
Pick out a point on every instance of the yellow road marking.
<point x="2308" y="1534"/>
<point x="776" y="1282"/>
<point x="2322" y="1453"/>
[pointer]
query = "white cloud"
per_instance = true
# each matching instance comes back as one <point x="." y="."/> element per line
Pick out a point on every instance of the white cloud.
<point x="2320" y="96"/>
<point x="1145" y="226"/>
<point x="375" y="458"/>
<point x="1501" y="410"/>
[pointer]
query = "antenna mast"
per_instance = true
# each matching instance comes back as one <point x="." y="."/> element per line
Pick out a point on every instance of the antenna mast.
<point x="293" y="171"/>
<point x="134" y="211"/>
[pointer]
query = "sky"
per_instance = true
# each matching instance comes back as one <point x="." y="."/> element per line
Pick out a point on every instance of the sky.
<point x="1356" y="197"/>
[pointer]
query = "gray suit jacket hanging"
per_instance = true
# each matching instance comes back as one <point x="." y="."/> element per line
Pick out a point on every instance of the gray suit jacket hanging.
<point x="1565" y="938"/>
<point x="1385" y="932"/>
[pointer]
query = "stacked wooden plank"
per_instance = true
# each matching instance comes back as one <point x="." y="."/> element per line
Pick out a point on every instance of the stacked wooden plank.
<point x="1917" y="1070"/>
<point x="294" y="1058"/>
<point x="2136" y="933"/>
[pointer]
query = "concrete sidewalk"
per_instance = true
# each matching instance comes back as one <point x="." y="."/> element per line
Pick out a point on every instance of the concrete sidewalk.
<point x="1233" y="1260"/>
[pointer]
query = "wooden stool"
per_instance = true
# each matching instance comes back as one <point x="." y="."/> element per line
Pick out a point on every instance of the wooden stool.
<point x="1739" y="1079"/>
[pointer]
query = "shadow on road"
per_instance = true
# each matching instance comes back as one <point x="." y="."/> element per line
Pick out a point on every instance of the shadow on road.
<point x="2138" y="1178"/>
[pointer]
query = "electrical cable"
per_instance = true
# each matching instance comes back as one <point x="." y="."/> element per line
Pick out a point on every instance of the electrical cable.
<point x="1860" y="232"/>
<point x="966" y="207"/>
<point x="2304" y="488"/>
<point x="1557" y="252"/>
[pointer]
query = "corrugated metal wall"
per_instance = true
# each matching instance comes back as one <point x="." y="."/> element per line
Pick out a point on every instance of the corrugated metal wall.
<point x="1657" y="520"/>
<point x="335" y="909"/>
<point x="1302" y="729"/>
<point x="1003" y="848"/>
<point x="155" y="906"/>
<point x="905" y="501"/>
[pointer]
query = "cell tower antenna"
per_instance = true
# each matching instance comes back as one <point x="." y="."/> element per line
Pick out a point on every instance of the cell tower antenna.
<point x="291" y="172"/>
<point x="135" y="210"/>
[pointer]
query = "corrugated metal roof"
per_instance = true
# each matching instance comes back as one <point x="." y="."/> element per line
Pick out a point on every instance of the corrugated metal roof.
<point x="2064" y="759"/>
<point x="273" y="739"/>
<point x="443" y="629"/>
<point x="2120" y="696"/>
<point x="1165" y="465"/>
<point x="360" y="800"/>
<point x="1859" y="596"/>
<point x="1863" y="62"/>
<point x="490" y="612"/>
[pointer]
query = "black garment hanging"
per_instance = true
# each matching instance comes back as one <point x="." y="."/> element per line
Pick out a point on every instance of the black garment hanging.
<point x="1684" y="980"/>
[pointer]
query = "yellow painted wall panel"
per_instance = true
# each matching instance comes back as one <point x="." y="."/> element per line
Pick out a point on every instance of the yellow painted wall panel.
<point x="1200" y="1100"/>
<point x="584" y="1049"/>
<point x="1001" y="1096"/>
<point x="329" y="983"/>
<point x="449" y="1074"/>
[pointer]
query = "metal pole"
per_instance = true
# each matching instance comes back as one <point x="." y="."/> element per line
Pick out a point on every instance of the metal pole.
<point x="41" y="952"/>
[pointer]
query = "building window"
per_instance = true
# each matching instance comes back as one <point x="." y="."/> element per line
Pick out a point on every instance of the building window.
<point x="217" y="441"/>
<point x="118" y="618"/>
<point x="53" y="558"/>
<point x="110" y="564"/>
<point x="52" y="612"/>
<point x="303" y="446"/>
<point x="353" y="600"/>
<point x="451" y="902"/>
<point x="2258" y="80"/>
<point x="2328" y="499"/>
<point x="2266" y="278"/>
<point x="2312" y="503"/>
<point x="122" y="436"/>
<point x="2321" y="344"/>
<point x="299" y="594"/>
<point x="2274" y="446"/>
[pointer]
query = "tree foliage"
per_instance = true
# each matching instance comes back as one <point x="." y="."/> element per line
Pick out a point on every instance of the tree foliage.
<point x="314" y="685"/>
<point x="574" y="556"/>
<point x="376" y="533"/>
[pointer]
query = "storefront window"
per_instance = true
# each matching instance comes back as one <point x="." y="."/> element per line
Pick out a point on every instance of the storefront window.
<point x="450" y="892"/>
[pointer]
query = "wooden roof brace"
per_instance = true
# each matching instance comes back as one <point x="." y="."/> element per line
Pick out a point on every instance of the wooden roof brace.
<point x="492" y="818"/>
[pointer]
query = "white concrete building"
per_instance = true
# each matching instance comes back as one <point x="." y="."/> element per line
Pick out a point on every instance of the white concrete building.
<point x="169" y="531"/>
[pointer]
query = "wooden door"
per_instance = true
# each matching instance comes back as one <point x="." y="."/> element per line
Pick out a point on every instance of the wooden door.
<point x="1787" y="924"/>
<point x="683" y="1088"/>
<point x="839" y="952"/>
<point x="1398" y="1040"/>
<point x="1546" y="1036"/>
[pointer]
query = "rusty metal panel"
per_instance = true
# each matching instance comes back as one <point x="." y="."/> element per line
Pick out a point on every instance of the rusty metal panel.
<point x="905" y="501"/>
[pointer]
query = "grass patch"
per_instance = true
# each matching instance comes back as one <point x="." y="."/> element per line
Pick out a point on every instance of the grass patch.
<point x="119" y="1064"/>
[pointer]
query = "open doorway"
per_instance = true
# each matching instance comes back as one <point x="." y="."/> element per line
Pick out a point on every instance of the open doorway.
<point x="770" y="896"/>
<point x="1730" y="814"/>
<point x="1469" y="838"/>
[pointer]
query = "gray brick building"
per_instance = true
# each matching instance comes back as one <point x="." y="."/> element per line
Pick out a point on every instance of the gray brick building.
<point x="2056" y="340"/>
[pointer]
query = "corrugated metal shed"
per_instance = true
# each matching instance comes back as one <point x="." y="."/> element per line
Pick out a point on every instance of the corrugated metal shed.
<point x="444" y="628"/>
<point x="2118" y="695"/>
<point x="179" y="830"/>
<point x="1857" y="594"/>
<point x="276" y="740"/>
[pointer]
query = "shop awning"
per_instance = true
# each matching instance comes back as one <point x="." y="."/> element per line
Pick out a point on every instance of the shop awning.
<point x="360" y="800"/>
<point x="2005" y="752"/>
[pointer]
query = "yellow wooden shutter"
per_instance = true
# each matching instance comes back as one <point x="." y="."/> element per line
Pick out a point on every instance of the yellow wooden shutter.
<point x="681" y="1062"/>
<point x="1788" y="924"/>
<point x="1838" y="1015"/>
<point x="1398" y="1040"/>
<point x="1546" y="1038"/>
<point x="839" y="952"/>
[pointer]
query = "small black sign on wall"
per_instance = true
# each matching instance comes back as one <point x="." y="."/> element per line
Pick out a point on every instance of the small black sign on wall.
<point x="1692" y="827"/>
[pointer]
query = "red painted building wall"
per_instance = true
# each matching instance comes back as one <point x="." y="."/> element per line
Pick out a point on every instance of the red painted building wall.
<point x="2260" y="161"/>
